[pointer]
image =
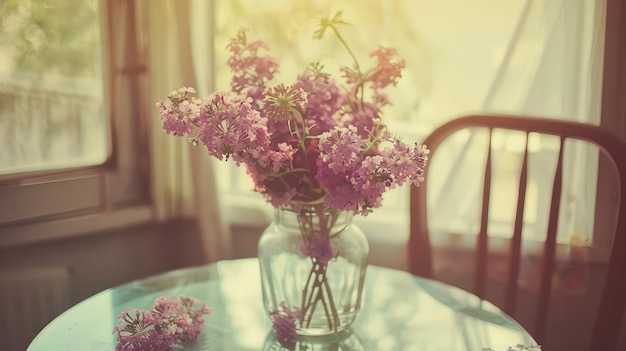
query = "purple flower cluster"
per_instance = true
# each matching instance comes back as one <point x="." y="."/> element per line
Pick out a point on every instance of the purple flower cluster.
<point x="318" y="247"/>
<point x="284" y="323"/>
<point x="312" y="142"/>
<point x="357" y="176"/>
<point x="170" y="322"/>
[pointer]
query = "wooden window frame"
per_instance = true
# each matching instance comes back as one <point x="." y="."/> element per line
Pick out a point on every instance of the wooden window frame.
<point x="53" y="204"/>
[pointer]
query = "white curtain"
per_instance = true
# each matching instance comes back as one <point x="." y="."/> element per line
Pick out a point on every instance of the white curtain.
<point x="552" y="67"/>
<point x="182" y="175"/>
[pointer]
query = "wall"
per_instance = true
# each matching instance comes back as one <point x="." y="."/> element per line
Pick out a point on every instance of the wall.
<point x="99" y="261"/>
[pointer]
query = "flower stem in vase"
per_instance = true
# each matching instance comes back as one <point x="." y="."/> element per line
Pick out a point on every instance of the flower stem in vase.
<point x="315" y="229"/>
<point x="311" y="295"/>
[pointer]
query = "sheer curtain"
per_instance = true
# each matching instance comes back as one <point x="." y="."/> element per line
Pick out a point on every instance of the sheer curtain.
<point x="552" y="67"/>
<point x="183" y="176"/>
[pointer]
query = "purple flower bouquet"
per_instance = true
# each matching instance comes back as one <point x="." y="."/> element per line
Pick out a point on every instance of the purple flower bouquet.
<point x="316" y="146"/>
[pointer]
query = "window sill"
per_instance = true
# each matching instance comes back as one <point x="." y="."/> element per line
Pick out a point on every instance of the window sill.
<point x="38" y="232"/>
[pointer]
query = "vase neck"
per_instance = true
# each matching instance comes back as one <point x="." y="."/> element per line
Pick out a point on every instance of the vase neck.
<point x="329" y="221"/>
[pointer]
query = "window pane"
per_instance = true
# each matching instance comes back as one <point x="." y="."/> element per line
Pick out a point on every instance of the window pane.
<point x="51" y="85"/>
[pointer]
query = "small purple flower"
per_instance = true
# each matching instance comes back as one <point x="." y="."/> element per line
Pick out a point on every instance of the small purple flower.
<point x="281" y="101"/>
<point x="318" y="248"/>
<point x="249" y="67"/>
<point x="170" y="322"/>
<point x="285" y="327"/>
<point x="285" y="322"/>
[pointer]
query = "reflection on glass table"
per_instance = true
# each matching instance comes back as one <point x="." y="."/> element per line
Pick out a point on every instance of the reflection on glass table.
<point x="400" y="312"/>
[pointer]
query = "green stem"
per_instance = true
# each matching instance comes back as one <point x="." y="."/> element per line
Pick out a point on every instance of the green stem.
<point x="356" y="63"/>
<point x="297" y="130"/>
<point x="360" y="87"/>
<point x="314" y="296"/>
<point x="330" y="323"/>
<point x="317" y="288"/>
<point x="331" y="302"/>
<point x="304" y="295"/>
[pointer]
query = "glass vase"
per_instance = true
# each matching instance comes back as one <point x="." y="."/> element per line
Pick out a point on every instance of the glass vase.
<point x="313" y="264"/>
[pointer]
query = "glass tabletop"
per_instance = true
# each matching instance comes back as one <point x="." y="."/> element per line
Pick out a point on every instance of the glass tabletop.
<point x="400" y="312"/>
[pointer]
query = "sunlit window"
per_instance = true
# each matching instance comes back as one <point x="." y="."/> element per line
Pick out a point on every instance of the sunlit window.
<point x="51" y="85"/>
<point x="71" y="90"/>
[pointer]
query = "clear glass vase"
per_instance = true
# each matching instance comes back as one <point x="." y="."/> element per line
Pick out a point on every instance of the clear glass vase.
<point x="313" y="265"/>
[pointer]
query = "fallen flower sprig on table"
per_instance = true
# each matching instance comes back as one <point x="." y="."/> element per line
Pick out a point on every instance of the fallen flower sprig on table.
<point x="170" y="322"/>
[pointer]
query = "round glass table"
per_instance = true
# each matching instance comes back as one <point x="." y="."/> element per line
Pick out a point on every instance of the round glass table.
<point x="400" y="312"/>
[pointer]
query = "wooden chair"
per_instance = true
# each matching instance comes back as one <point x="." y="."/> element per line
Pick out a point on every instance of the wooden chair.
<point x="613" y="299"/>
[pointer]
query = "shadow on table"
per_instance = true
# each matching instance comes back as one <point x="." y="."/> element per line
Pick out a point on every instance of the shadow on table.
<point x="346" y="340"/>
<point x="475" y="316"/>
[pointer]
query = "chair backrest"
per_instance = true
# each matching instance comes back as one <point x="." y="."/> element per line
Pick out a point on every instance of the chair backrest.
<point x="613" y="299"/>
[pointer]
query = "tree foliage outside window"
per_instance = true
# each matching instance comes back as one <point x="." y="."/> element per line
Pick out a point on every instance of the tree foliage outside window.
<point x="51" y="85"/>
<point x="52" y="36"/>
